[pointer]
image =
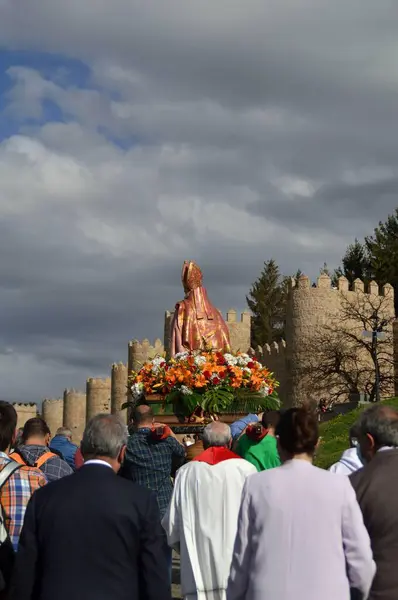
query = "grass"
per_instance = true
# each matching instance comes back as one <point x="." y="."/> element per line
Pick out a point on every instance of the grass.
<point x="335" y="433"/>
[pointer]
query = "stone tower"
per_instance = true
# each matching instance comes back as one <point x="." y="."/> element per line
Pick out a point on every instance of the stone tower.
<point x="75" y="413"/>
<point x="119" y="390"/>
<point x="309" y="309"/>
<point x="141" y="352"/>
<point x="53" y="413"/>
<point x="98" y="397"/>
<point x="25" y="412"/>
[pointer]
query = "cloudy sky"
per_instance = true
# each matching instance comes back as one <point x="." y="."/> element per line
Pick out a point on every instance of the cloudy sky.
<point x="136" y="134"/>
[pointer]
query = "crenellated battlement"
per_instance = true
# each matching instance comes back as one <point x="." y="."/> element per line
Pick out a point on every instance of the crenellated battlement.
<point x="94" y="382"/>
<point x="324" y="282"/>
<point x="139" y="352"/>
<point x="274" y="349"/>
<point x="25" y="411"/>
<point x="120" y="366"/>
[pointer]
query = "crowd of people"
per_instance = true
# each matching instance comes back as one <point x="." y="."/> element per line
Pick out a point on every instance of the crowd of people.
<point x="251" y="517"/>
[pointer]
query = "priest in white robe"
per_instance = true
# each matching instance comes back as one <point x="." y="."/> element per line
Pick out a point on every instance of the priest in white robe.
<point x="201" y="522"/>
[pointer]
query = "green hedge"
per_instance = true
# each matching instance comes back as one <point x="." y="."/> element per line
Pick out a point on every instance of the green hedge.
<point x="335" y="434"/>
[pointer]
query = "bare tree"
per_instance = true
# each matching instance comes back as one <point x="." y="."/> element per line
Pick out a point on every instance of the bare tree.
<point x="343" y="360"/>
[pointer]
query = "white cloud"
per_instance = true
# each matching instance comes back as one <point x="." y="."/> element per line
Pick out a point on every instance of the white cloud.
<point x="228" y="132"/>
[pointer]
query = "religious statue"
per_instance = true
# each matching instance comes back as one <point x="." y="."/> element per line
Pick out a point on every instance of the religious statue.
<point x="197" y="324"/>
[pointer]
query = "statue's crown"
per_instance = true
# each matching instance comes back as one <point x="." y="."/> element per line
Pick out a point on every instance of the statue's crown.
<point x="191" y="276"/>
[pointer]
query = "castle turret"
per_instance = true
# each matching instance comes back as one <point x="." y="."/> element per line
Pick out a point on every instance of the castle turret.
<point x="75" y="413"/>
<point x="53" y="413"/>
<point x="323" y="309"/>
<point x="98" y="397"/>
<point x="119" y="390"/>
<point x="141" y="352"/>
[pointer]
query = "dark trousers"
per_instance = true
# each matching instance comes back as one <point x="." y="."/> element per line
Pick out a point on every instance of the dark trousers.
<point x="169" y="556"/>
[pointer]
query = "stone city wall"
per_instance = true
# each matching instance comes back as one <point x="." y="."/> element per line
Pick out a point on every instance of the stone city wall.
<point x="25" y="412"/>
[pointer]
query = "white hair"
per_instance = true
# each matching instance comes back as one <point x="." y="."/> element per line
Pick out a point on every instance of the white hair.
<point x="105" y="435"/>
<point x="216" y="434"/>
<point x="64" y="431"/>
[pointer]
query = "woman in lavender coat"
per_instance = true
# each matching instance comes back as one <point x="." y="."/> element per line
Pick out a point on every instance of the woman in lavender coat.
<point x="301" y="534"/>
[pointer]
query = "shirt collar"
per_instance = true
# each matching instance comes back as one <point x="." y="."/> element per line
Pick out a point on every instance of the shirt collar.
<point x="384" y="448"/>
<point x="3" y="455"/>
<point x="96" y="461"/>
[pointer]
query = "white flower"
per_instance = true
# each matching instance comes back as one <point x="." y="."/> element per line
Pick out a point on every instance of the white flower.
<point x="199" y="360"/>
<point x="181" y="355"/>
<point x="247" y="370"/>
<point x="137" y="389"/>
<point x="157" y="364"/>
<point x="230" y="359"/>
<point x="158" y="361"/>
<point x="186" y="390"/>
<point x="264" y="390"/>
<point x="243" y="360"/>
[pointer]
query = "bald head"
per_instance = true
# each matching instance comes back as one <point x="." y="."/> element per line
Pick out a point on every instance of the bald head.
<point x="377" y="427"/>
<point x="142" y="416"/>
<point x="217" y="434"/>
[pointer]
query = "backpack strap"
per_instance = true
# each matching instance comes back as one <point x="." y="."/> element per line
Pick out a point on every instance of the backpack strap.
<point x="16" y="457"/>
<point x="44" y="458"/>
<point x="7" y="471"/>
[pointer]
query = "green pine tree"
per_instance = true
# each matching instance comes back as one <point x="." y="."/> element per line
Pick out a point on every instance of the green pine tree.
<point x="382" y="248"/>
<point x="355" y="264"/>
<point x="267" y="302"/>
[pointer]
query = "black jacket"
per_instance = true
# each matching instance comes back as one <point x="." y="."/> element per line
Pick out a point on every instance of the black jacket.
<point x="92" y="536"/>
<point x="376" y="486"/>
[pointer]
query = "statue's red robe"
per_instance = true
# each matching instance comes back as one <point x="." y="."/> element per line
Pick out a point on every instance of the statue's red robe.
<point x="197" y="324"/>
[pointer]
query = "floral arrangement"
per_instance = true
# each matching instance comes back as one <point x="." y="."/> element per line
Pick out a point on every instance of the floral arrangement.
<point x="211" y="381"/>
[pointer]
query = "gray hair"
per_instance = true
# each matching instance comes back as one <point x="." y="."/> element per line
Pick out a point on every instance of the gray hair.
<point x="105" y="435"/>
<point x="381" y="422"/>
<point x="64" y="431"/>
<point x="216" y="434"/>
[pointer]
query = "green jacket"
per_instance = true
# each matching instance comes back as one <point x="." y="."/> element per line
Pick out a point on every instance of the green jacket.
<point x="263" y="454"/>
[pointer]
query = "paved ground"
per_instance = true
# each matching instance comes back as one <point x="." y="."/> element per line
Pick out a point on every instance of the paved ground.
<point x="176" y="577"/>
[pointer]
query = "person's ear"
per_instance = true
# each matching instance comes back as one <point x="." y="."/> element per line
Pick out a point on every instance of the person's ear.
<point x="370" y="442"/>
<point x="47" y="439"/>
<point x="14" y="437"/>
<point x="122" y="454"/>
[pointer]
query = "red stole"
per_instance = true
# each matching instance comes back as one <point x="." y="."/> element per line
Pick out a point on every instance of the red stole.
<point x="215" y="455"/>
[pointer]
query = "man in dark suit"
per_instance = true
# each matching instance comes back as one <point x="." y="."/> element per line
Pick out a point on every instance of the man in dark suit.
<point x="376" y="486"/>
<point x="92" y="535"/>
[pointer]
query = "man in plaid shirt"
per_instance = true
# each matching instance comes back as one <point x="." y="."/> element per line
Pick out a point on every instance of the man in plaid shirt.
<point x="149" y="461"/>
<point x="19" y="487"/>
